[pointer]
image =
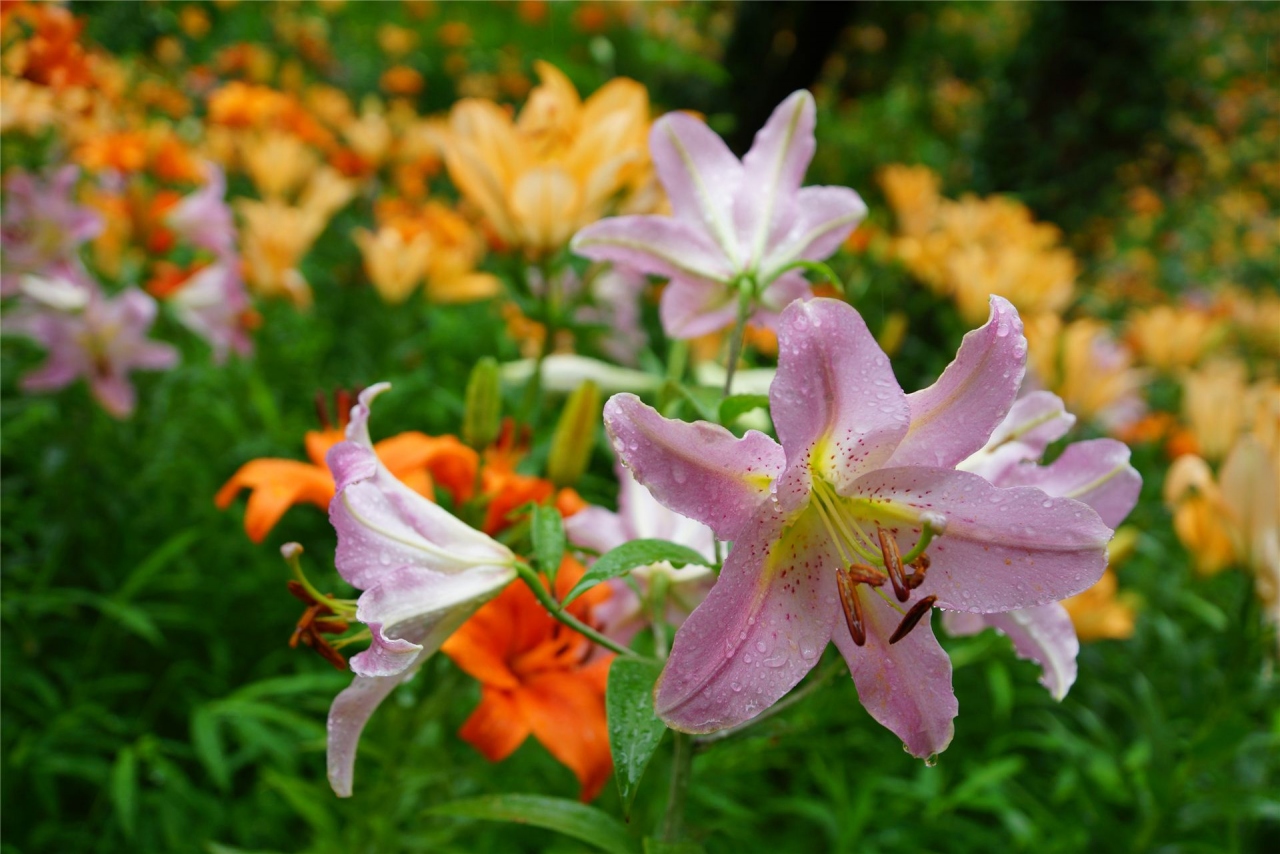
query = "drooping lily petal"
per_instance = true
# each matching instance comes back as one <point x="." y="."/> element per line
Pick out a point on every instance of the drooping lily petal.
<point x="842" y="505"/>
<point x="422" y="572"/>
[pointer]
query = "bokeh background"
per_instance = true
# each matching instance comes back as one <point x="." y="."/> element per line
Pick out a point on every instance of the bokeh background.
<point x="150" y="700"/>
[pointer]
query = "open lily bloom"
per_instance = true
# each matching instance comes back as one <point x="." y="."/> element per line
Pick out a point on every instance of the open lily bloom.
<point x="736" y="224"/>
<point x="861" y="488"/>
<point x="1096" y="472"/>
<point x="422" y="573"/>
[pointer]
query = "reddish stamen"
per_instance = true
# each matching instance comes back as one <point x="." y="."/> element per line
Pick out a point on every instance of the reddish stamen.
<point x="912" y="617"/>
<point x="921" y="566"/>
<point x="893" y="564"/>
<point x="322" y="410"/>
<point x="860" y="573"/>
<point x="852" y="607"/>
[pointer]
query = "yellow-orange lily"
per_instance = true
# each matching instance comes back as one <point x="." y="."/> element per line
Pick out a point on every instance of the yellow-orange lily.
<point x="556" y="168"/>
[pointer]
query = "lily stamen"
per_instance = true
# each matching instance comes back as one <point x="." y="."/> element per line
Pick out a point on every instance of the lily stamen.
<point x="852" y="607"/>
<point x="911" y="618"/>
<point x="863" y="574"/>
<point x="893" y="564"/>
<point x="921" y="566"/>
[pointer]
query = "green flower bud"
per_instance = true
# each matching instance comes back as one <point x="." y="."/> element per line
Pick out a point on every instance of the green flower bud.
<point x="482" y="419"/>
<point x="575" y="436"/>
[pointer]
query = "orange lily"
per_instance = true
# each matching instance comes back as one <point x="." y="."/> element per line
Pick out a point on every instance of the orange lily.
<point x="538" y="676"/>
<point x="275" y="485"/>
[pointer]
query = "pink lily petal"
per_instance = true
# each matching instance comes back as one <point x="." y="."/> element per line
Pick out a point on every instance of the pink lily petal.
<point x="386" y="656"/>
<point x="699" y="470"/>
<point x="658" y="245"/>
<point x="905" y="686"/>
<point x="773" y="170"/>
<point x="782" y="291"/>
<point x="383" y="524"/>
<point x="350" y="711"/>
<point x="953" y="418"/>
<point x="701" y="176"/>
<point x="691" y="307"/>
<point x="834" y="398"/>
<point x="1096" y="472"/>
<point x="1032" y="424"/>
<point x="596" y="528"/>
<point x="1003" y="548"/>
<point x="760" y="630"/>
<point x="823" y="217"/>
<point x="1045" y="635"/>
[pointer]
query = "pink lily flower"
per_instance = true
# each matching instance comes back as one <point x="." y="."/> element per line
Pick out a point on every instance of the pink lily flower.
<point x="854" y="525"/>
<point x="213" y="303"/>
<point x="42" y="226"/>
<point x="737" y="224"/>
<point x="203" y="219"/>
<point x="101" y="339"/>
<point x="1096" y="472"/>
<point x="640" y="516"/>
<point x="423" y="573"/>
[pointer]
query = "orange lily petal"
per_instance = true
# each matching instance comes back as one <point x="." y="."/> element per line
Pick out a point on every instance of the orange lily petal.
<point x="450" y="463"/>
<point x="496" y="727"/>
<point x="480" y="647"/>
<point x="566" y="714"/>
<point x="276" y="486"/>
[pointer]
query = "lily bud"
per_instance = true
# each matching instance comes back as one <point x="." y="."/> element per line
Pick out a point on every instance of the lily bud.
<point x="482" y="419"/>
<point x="575" y="436"/>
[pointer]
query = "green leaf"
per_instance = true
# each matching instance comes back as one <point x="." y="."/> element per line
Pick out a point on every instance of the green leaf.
<point x="735" y="405"/>
<point x="634" y="730"/>
<point x="124" y="789"/>
<point x="548" y="540"/>
<point x="630" y="555"/>
<point x="657" y="846"/>
<point x="570" y="818"/>
<point x="207" y="742"/>
<point x="159" y="559"/>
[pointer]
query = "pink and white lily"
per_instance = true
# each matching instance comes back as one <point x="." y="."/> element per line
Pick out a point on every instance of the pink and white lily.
<point x="42" y="226"/>
<point x="1096" y="472"/>
<point x="422" y="571"/>
<point x="853" y="525"/>
<point x="87" y="334"/>
<point x="738" y="224"/>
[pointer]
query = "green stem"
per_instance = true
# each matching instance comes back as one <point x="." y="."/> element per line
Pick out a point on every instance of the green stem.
<point x="677" y="791"/>
<point x="556" y="610"/>
<point x="813" y="267"/>
<point x="551" y="323"/>
<point x="746" y="292"/>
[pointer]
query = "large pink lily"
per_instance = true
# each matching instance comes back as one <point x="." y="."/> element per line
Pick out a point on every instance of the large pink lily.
<point x="737" y="224"/>
<point x="1096" y="472"/>
<point x="851" y="527"/>
<point x="423" y="573"/>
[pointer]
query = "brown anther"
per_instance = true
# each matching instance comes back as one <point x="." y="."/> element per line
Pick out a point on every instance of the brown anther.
<point x="852" y="607"/>
<point x="912" y="617"/>
<point x="921" y="566"/>
<point x="893" y="564"/>
<point x="860" y="573"/>
<point x="342" y="402"/>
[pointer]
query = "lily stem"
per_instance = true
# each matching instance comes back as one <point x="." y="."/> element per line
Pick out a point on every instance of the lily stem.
<point x="677" y="791"/>
<point x="746" y="292"/>
<point x="556" y="610"/>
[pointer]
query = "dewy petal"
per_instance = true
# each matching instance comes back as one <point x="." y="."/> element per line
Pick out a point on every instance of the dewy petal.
<point x="954" y="417"/>
<point x="383" y="524"/>
<point x="349" y="713"/>
<point x="1003" y="548"/>
<point x="699" y="470"/>
<point x="822" y="218"/>
<point x="905" y="686"/>
<point x="760" y="630"/>
<point x="420" y="601"/>
<point x="385" y="656"/>
<point x="701" y="177"/>
<point x="773" y="170"/>
<point x="834" y="398"/>
<point x="596" y="528"/>
<point x="1045" y="635"/>
<point x="1096" y="472"/>
<point x="658" y="245"/>
<point x="1033" y="422"/>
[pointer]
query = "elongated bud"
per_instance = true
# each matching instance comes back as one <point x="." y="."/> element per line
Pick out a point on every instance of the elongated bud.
<point x="483" y="417"/>
<point x="575" y="435"/>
